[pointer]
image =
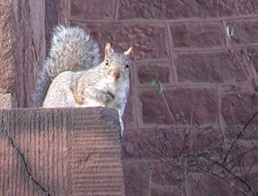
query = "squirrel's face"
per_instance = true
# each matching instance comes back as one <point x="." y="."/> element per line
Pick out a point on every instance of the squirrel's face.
<point x="117" y="65"/>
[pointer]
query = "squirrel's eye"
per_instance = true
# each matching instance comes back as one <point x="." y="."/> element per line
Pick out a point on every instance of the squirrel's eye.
<point x="107" y="62"/>
<point x="127" y="64"/>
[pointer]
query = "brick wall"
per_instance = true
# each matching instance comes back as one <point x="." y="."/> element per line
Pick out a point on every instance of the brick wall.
<point x="194" y="87"/>
<point x="194" y="82"/>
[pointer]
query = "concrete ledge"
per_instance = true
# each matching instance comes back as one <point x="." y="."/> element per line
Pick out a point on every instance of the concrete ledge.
<point x="60" y="152"/>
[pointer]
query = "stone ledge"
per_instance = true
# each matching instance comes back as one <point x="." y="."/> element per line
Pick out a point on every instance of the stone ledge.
<point x="60" y="152"/>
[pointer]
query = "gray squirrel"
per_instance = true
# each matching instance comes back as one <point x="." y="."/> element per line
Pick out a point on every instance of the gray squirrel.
<point x="72" y="75"/>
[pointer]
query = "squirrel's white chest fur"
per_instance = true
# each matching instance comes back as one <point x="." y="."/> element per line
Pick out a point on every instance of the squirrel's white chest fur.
<point x="118" y="88"/>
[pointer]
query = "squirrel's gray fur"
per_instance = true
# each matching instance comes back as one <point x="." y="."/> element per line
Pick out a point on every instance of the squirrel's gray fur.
<point x="71" y="49"/>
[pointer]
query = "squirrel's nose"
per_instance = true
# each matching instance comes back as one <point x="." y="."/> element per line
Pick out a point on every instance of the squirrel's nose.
<point x="116" y="74"/>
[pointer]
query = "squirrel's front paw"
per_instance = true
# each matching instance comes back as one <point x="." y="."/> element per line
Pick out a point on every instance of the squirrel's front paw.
<point x="108" y="97"/>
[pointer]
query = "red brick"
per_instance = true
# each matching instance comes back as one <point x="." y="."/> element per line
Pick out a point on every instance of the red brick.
<point x="249" y="56"/>
<point x="243" y="157"/>
<point x="233" y="130"/>
<point x="156" y="143"/>
<point x="171" y="191"/>
<point x="128" y="118"/>
<point x="168" y="173"/>
<point x="154" y="108"/>
<point x="29" y="47"/>
<point x="137" y="178"/>
<point x="205" y="146"/>
<point x="190" y="105"/>
<point x="7" y="71"/>
<point x="252" y="179"/>
<point x="149" y="42"/>
<point x="203" y="185"/>
<point x="238" y="108"/>
<point x="172" y="142"/>
<point x="185" y="104"/>
<point x="159" y="72"/>
<point x="204" y="162"/>
<point x="219" y="67"/>
<point x="198" y="35"/>
<point x="246" y="32"/>
<point x="93" y="9"/>
<point x="206" y="139"/>
<point x="242" y="163"/>
<point x="153" y="143"/>
<point x="166" y="9"/>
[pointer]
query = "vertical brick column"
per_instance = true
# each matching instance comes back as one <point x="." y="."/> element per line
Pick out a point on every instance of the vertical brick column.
<point x="7" y="66"/>
<point x="29" y="46"/>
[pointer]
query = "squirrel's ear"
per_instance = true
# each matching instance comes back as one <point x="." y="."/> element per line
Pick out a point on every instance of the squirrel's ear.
<point x="108" y="49"/>
<point x="129" y="52"/>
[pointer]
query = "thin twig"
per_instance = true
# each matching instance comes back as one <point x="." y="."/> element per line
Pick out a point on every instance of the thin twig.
<point x="224" y="179"/>
<point x="239" y="135"/>
<point x="234" y="175"/>
<point x="191" y="123"/>
<point x="169" y="111"/>
<point x="241" y="155"/>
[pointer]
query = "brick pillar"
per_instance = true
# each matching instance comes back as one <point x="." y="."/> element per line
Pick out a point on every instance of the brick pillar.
<point x="29" y="46"/>
<point x="7" y="68"/>
<point x="60" y="152"/>
<point x="22" y="45"/>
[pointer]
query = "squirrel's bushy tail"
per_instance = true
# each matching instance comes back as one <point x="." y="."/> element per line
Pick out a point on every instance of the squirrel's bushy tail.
<point x="71" y="49"/>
